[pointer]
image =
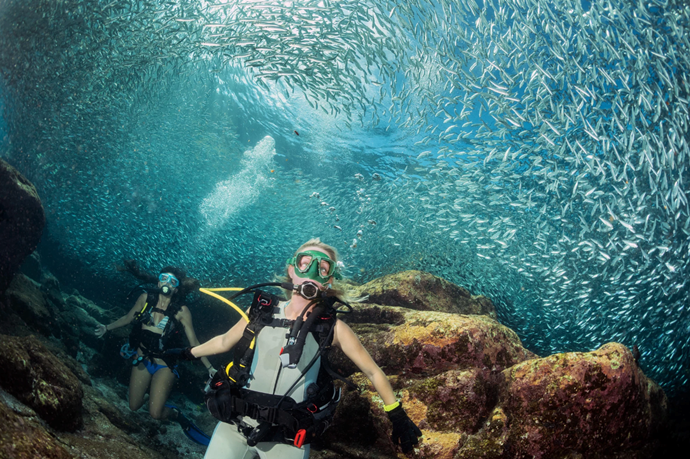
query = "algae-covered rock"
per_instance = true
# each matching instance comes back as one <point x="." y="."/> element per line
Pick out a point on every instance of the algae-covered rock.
<point x="455" y="401"/>
<point x="90" y="314"/>
<point x="434" y="444"/>
<point x="42" y="309"/>
<point x="27" y="300"/>
<point x="425" y="292"/>
<point x="39" y="379"/>
<point x="22" y="219"/>
<point x="594" y="403"/>
<point x="23" y="437"/>
<point x="425" y="343"/>
<point x="443" y="366"/>
<point x="357" y="430"/>
<point x="575" y="405"/>
<point x="490" y="442"/>
<point x="475" y="392"/>
<point x="50" y="286"/>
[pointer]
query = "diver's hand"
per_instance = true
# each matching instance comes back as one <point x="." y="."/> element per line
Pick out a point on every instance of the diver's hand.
<point x="100" y="330"/>
<point x="405" y="432"/>
<point x="184" y="353"/>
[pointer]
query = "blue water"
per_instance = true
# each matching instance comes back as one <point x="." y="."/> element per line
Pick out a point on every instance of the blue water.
<point x="4" y="138"/>
<point x="129" y="125"/>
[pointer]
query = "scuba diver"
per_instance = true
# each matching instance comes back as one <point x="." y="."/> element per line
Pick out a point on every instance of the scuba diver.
<point x="277" y="395"/>
<point x="159" y="319"/>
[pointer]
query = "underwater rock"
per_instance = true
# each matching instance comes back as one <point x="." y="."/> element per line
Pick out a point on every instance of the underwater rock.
<point x="41" y="308"/>
<point x="27" y="300"/>
<point x="113" y="431"/>
<point x="94" y="402"/>
<point x="31" y="267"/>
<point x="475" y="392"/>
<point x="82" y="316"/>
<point x="598" y="404"/>
<point x="426" y="343"/>
<point x="455" y="401"/>
<point x="357" y="428"/>
<point x="22" y="219"/>
<point x="23" y="436"/>
<point x="51" y="287"/>
<point x="425" y="292"/>
<point x="595" y="404"/>
<point x="13" y="325"/>
<point x="445" y="367"/>
<point x="434" y="444"/>
<point x="36" y="377"/>
<point x="90" y="314"/>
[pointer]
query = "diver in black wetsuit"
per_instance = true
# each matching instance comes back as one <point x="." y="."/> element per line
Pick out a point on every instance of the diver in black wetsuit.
<point x="159" y="322"/>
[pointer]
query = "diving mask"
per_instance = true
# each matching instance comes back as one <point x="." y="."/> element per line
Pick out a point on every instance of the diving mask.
<point x="168" y="278"/>
<point x="314" y="265"/>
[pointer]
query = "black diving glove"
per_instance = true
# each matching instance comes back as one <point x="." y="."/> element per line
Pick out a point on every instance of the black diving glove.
<point x="184" y="353"/>
<point x="405" y="432"/>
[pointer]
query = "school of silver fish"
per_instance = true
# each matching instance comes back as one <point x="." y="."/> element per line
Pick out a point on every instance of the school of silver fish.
<point x="533" y="151"/>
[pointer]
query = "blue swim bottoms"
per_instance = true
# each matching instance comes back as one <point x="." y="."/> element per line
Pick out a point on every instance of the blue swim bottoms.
<point x="153" y="367"/>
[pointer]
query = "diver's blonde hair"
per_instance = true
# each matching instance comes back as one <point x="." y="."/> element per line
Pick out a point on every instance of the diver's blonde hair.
<point x="339" y="288"/>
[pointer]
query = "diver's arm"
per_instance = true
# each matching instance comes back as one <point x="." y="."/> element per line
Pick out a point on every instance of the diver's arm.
<point x="221" y="343"/>
<point x="405" y="432"/>
<point x="185" y="317"/>
<point x="345" y="339"/>
<point x="124" y="320"/>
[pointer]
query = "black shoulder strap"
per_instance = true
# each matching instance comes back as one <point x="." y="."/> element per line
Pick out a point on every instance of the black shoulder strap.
<point x="321" y="328"/>
<point x="151" y="301"/>
<point x="263" y="306"/>
<point x="320" y="324"/>
<point x="260" y="314"/>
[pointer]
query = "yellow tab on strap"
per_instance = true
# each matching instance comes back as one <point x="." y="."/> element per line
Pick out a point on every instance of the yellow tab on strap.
<point x="391" y="407"/>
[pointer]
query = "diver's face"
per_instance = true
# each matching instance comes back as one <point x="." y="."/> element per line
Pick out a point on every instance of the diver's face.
<point x="168" y="278"/>
<point x="170" y="281"/>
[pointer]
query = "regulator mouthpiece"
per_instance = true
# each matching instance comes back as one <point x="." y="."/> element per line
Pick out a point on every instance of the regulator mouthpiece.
<point x="308" y="290"/>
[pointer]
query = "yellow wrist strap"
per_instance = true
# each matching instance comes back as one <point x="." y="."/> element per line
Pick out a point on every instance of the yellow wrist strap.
<point x="391" y="407"/>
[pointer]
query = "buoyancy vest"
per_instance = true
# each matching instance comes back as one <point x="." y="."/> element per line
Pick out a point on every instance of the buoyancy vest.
<point x="272" y="397"/>
<point x="155" y="344"/>
<point x="267" y="373"/>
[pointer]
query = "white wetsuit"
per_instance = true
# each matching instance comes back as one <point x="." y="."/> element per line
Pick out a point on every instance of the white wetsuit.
<point x="268" y="376"/>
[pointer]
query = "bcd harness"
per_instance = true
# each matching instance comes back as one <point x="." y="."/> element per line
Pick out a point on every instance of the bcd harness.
<point x="280" y="417"/>
<point x="151" y="343"/>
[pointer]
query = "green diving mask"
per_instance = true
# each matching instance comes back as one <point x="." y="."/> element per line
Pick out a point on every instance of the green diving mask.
<point x="314" y="265"/>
